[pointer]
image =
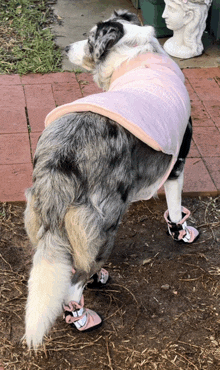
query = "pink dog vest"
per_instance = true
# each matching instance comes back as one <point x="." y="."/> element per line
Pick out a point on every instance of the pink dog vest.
<point x="148" y="97"/>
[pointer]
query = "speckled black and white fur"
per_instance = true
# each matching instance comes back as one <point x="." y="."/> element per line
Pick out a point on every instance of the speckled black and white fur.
<point x="87" y="170"/>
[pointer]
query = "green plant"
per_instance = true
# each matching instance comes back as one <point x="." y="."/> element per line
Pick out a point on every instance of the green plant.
<point x="27" y="44"/>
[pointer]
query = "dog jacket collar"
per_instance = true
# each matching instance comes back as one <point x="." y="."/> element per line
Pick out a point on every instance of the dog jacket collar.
<point x="148" y="97"/>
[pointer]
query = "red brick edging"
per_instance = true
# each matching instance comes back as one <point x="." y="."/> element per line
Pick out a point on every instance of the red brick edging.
<point x="26" y="100"/>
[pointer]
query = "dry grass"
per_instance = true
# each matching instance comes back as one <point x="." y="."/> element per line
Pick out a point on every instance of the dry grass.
<point x="137" y="333"/>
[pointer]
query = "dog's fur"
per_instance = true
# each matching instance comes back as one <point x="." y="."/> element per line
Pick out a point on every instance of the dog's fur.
<point x="87" y="170"/>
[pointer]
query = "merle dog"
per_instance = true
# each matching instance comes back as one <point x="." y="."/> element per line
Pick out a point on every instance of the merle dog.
<point x="87" y="170"/>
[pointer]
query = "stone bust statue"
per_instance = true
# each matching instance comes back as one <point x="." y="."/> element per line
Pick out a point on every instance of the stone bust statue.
<point x="187" y="19"/>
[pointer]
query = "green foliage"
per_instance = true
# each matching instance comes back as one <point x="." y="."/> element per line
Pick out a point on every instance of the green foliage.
<point x="26" y="40"/>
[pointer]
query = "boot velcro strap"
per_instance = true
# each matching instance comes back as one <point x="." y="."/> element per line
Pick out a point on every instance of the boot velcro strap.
<point x="72" y="317"/>
<point x="176" y="231"/>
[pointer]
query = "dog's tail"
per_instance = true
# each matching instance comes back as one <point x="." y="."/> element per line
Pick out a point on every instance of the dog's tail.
<point x="48" y="286"/>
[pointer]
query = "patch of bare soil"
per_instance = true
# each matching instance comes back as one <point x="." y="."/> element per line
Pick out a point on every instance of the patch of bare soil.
<point x="160" y="310"/>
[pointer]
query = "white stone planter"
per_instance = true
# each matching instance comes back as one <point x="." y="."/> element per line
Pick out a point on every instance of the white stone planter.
<point x="187" y="20"/>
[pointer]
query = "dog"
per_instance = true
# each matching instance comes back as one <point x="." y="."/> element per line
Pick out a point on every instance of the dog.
<point x="88" y="168"/>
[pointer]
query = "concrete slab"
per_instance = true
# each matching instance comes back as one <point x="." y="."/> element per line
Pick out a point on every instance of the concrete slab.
<point x="78" y="17"/>
<point x="209" y="58"/>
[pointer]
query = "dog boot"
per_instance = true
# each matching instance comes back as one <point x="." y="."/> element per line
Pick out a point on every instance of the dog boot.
<point x="180" y="231"/>
<point x="82" y="318"/>
<point x="98" y="280"/>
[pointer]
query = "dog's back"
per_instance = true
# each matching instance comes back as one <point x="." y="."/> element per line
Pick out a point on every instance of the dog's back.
<point x="86" y="159"/>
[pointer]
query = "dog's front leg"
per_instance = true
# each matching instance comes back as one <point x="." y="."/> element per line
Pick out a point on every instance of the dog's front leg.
<point x="173" y="190"/>
<point x="47" y="286"/>
<point x="176" y="215"/>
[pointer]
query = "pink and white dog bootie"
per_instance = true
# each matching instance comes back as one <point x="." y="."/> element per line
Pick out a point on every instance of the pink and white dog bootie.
<point x="81" y="318"/>
<point x="181" y="231"/>
<point x="99" y="280"/>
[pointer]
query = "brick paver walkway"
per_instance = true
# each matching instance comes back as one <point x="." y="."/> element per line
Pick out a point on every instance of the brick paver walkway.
<point x="26" y="100"/>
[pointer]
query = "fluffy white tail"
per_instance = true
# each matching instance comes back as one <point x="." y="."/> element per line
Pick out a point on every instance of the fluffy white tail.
<point x="48" y="286"/>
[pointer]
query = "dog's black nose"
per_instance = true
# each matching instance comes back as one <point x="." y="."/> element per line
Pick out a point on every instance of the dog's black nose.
<point x="67" y="48"/>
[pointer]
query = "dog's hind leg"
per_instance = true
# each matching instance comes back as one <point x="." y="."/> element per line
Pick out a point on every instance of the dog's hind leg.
<point x="75" y="313"/>
<point x="47" y="286"/>
<point x="91" y="235"/>
<point x="31" y="219"/>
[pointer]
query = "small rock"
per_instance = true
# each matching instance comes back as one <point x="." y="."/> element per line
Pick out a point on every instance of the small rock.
<point x="217" y="354"/>
<point x="148" y="260"/>
<point x="165" y="287"/>
<point x="142" y="218"/>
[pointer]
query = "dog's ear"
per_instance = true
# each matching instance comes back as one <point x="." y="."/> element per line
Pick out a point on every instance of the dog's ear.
<point x="126" y="16"/>
<point x="106" y="36"/>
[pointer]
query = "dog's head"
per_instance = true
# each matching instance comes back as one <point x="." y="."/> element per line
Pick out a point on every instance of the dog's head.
<point x="102" y="39"/>
<point x="110" y="43"/>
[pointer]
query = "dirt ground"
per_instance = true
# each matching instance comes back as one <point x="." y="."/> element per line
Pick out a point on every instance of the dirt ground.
<point x="160" y="309"/>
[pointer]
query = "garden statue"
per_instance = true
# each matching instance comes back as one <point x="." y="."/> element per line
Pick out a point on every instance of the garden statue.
<point x="187" y="19"/>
